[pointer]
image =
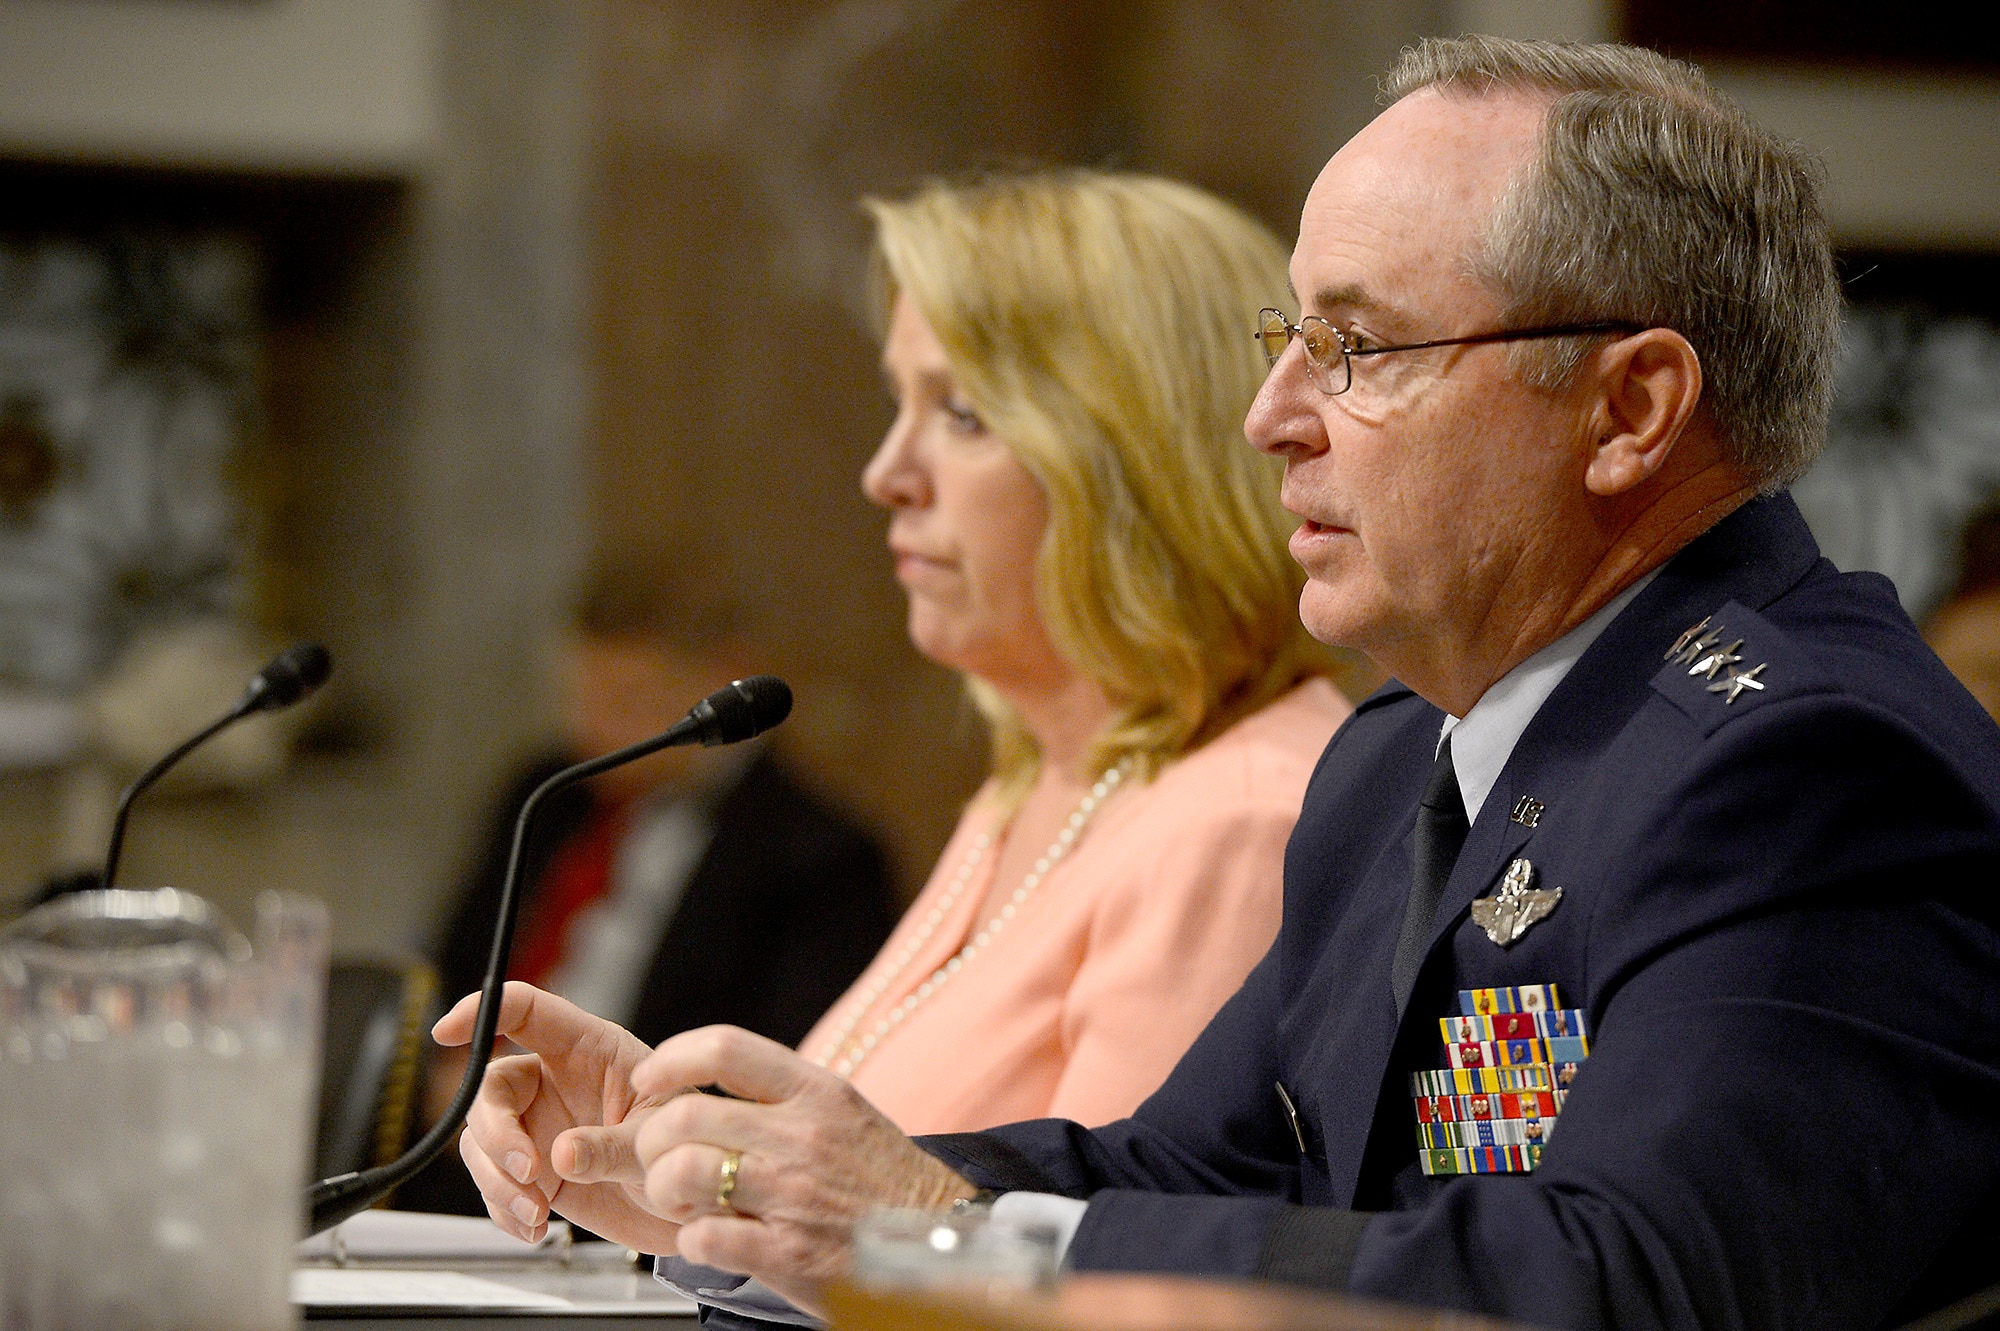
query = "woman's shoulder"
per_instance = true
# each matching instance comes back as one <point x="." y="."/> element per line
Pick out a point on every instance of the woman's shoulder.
<point x="1303" y="719"/>
<point x="1290" y="732"/>
<point x="1265" y="758"/>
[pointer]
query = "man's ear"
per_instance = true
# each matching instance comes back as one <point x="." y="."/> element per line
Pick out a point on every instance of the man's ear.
<point x="1647" y="386"/>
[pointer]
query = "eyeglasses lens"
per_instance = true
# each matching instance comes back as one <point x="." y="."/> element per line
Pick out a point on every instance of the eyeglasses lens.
<point x="1326" y="359"/>
<point x="1275" y="331"/>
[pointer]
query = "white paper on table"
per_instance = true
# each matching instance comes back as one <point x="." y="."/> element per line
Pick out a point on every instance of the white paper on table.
<point x="350" y="1287"/>
<point x="416" y="1236"/>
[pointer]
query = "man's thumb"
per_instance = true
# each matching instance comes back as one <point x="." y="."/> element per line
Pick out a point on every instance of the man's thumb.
<point x="597" y="1155"/>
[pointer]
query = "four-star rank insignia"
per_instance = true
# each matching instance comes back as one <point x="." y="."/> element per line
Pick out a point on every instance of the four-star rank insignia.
<point x="1717" y="658"/>
<point x="1736" y="683"/>
<point x="1703" y="652"/>
<point x="1693" y="643"/>
<point x="1516" y="907"/>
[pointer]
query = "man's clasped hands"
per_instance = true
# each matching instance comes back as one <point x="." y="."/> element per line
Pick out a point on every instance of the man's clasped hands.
<point x="616" y="1137"/>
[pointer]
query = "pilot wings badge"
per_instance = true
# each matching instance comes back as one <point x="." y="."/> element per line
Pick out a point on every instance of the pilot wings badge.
<point x="1516" y="907"/>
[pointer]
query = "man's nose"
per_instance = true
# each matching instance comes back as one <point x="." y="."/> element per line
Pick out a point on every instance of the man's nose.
<point x="1283" y="418"/>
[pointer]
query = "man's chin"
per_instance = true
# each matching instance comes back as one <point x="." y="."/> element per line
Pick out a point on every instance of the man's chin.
<point x="1333" y="617"/>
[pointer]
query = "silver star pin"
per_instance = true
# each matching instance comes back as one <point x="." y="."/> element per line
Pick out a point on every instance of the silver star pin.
<point x="1736" y="682"/>
<point x="1516" y="907"/>
<point x="1680" y="643"/>
<point x="1715" y="660"/>
<point x="1699" y="646"/>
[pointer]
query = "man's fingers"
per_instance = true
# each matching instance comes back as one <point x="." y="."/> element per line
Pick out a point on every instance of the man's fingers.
<point x="494" y="1121"/>
<point x="716" y="1119"/>
<point x="736" y="1243"/>
<point x="520" y="1210"/>
<point x="528" y="1016"/>
<point x="726" y="1242"/>
<point x="455" y="1027"/>
<point x="598" y="1155"/>
<point x="726" y="1056"/>
<point x="696" y="1179"/>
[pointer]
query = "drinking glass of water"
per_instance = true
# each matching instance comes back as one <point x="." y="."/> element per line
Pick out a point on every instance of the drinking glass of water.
<point x="156" y="1079"/>
<point x="966" y="1249"/>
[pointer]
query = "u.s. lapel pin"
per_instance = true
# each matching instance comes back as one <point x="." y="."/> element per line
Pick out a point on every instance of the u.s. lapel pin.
<point x="1516" y="907"/>
<point x="1527" y="811"/>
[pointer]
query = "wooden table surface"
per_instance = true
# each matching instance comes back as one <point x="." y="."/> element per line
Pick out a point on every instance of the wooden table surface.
<point x="1137" y="1303"/>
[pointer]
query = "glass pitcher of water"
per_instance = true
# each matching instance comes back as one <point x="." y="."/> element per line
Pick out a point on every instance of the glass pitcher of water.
<point x="157" y="1075"/>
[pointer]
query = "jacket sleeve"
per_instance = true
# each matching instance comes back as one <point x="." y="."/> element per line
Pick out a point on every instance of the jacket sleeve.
<point x="1191" y="1182"/>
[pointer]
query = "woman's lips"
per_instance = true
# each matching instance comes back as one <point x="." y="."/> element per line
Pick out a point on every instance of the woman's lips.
<point x="911" y="566"/>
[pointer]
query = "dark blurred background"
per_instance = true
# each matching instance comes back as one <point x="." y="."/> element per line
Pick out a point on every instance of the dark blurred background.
<point x="386" y="320"/>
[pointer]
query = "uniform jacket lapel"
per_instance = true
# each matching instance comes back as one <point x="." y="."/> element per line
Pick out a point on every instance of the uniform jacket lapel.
<point x="1752" y="557"/>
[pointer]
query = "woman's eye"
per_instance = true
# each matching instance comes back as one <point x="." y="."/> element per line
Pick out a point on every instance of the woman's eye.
<point x="963" y="418"/>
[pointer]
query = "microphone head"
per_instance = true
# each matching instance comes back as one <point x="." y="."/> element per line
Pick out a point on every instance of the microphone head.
<point x="746" y="708"/>
<point x="293" y="674"/>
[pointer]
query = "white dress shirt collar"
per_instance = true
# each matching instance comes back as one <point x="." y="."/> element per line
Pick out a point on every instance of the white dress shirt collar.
<point x="1485" y="737"/>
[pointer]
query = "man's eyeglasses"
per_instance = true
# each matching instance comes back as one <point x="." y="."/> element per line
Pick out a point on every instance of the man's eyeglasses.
<point x="1329" y="355"/>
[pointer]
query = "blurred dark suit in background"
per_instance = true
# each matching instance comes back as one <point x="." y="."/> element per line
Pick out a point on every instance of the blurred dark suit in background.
<point x="692" y="887"/>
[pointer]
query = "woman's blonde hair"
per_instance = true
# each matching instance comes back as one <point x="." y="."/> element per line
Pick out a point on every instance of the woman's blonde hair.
<point x="1101" y="323"/>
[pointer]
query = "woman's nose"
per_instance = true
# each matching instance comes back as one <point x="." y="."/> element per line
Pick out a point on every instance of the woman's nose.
<point x="894" y="477"/>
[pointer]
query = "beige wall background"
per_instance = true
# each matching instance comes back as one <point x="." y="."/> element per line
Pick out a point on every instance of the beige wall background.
<point x="585" y="284"/>
<point x="736" y="382"/>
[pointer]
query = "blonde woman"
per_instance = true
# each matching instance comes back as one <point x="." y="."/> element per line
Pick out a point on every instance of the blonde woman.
<point x="1084" y="534"/>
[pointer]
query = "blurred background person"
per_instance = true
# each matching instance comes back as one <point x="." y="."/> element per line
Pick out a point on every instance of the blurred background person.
<point x="1965" y="630"/>
<point x="693" y="886"/>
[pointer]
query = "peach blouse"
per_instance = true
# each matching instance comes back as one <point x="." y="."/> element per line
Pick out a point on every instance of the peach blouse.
<point x="1083" y="1004"/>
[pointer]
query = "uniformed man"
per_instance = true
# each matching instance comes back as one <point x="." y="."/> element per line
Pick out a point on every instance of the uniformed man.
<point x="1650" y="763"/>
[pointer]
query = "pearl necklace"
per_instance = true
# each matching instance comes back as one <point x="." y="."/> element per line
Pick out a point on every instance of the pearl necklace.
<point x="850" y="1058"/>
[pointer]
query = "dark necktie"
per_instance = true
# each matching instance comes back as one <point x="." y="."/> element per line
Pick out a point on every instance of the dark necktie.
<point x="1440" y="834"/>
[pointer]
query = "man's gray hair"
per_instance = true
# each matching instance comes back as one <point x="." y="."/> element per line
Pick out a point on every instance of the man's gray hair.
<point x="1654" y="200"/>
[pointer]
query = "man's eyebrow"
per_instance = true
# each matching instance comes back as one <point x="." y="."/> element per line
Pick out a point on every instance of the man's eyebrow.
<point x="1351" y="296"/>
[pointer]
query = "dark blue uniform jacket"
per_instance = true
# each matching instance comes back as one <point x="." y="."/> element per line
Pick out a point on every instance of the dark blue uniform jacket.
<point x="1778" y="917"/>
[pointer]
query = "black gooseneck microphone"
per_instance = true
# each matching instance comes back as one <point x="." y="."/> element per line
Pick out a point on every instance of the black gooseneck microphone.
<point x="290" y="677"/>
<point x="744" y="709"/>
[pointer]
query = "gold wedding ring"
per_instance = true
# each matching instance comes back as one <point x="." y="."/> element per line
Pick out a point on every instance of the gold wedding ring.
<point x="725" y="1187"/>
